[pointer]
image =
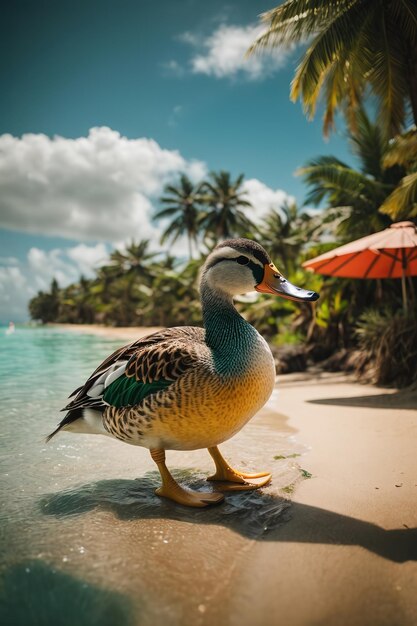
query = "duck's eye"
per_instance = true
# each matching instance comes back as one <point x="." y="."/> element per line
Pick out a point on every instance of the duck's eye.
<point x="242" y="260"/>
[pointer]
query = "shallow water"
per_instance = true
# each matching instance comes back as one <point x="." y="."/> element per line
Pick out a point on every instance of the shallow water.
<point x="83" y="537"/>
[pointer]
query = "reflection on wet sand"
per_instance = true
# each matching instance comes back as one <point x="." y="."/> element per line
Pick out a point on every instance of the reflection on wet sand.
<point x="251" y="513"/>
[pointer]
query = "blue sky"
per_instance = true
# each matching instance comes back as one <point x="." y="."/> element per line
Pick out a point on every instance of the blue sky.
<point x="167" y="90"/>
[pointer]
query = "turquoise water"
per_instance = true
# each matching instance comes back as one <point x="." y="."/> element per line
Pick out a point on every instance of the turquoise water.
<point x="81" y="528"/>
<point x="38" y="370"/>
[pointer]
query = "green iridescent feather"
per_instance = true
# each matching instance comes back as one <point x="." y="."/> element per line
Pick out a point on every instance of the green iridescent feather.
<point x="126" y="391"/>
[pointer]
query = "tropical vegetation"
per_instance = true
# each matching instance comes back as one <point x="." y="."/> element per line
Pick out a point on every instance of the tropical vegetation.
<point x="183" y="209"/>
<point x="353" y="196"/>
<point x="225" y="201"/>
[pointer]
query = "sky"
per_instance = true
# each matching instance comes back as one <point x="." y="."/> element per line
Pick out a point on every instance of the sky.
<point x="106" y="101"/>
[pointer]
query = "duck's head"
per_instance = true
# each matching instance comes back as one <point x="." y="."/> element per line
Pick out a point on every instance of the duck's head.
<point x="238" y="266"/>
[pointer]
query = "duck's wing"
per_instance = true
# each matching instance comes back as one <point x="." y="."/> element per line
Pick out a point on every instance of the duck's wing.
<point x="137" y="370"/>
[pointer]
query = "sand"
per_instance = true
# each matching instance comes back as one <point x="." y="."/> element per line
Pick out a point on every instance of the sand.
<point x="346" y="554"/>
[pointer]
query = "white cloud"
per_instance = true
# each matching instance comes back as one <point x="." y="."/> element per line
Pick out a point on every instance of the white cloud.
<point x="9" y="260"/>
<point x="12" y="275"/>
<point x="223" y="53"/>
<point x="44" y="266"/>
<point x="175" y="115"/>
<point x="21" y="281"/>
<point x="100" y="187"/>
<point x="88" y="258"/>
<point x="15" y="291"/>
<point x="173" y="68"/>
<point x="188" y="37"/>
<point x="65" y="264"/>
<point x="263" y="198"/>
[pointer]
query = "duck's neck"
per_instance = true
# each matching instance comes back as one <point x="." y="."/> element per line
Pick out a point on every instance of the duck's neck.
<point x="228" y="335"/>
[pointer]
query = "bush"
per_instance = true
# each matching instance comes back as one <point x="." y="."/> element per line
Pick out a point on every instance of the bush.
<point x="387" y="347"/>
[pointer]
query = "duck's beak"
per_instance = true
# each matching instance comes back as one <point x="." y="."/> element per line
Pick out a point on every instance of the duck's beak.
<point x="275" y="283"/>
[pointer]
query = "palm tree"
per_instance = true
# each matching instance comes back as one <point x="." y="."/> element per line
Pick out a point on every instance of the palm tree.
<point x="132" y="262"/>
<point x="174" y="300"/>
<point x="402" y="202"/>
<point x="45" y="305"/>
<point x="352" y="45"/>
<point x="183" y="207"/>
<point x="284" y="232"/>
<point x="353" y="196"/>
<point x="224" y="198"/>
<point x="122" y="280"/>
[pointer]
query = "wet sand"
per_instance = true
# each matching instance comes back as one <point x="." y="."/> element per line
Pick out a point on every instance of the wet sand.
<point x="345" y="552"/>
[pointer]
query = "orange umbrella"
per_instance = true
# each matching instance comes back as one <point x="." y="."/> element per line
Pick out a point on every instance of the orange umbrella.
<point x="391" y="253"/>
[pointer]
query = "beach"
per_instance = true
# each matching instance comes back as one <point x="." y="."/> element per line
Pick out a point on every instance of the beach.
<point x="332" y="541"/>
<point x="348" y="555"/>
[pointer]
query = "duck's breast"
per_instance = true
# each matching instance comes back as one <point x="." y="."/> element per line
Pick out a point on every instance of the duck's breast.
<point x="205" y="407"/>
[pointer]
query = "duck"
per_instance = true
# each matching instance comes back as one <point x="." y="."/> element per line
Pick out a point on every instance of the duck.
<point x="191" y="388"/>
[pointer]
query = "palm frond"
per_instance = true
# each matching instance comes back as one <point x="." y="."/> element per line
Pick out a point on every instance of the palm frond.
<point x="328" y="178"/>
<point x="402" y="202"/>
<point x="368" y="144"/>
<point x="295" y="20"/>
<point x="402" y="150"/>
<point x="387" y="77"/>
<point x="165" y="212"/>
<point x="404" y="13"/>
<point x="175" y="191"/>
<point x="173" y="231"/>
<point x="338" y="37"/>
<point x="334" y="93"/>
<point x="353" y="44"/>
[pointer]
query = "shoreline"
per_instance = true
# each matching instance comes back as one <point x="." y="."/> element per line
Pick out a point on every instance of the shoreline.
<point x="112" y="332"/>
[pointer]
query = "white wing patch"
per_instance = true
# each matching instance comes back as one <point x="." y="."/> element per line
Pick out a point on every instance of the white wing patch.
<point x="114" y="371"/>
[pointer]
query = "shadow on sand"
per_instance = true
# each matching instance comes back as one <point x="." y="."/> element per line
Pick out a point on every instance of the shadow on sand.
<point x="253" y="514"/>
<point x="400" y="400"/>
<point x="33" y="593"/>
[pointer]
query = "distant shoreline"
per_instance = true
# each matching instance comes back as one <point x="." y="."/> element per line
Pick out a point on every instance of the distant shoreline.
<point x="112" y="332"/>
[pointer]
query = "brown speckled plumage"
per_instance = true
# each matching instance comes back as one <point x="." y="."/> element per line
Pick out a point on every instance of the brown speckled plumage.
<point x="200" y="409"/>
<point x="174" y="351"/>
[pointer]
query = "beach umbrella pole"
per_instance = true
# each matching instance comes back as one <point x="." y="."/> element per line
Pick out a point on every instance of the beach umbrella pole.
<point x="404" y="290"/>
<point x="403" y="283"/>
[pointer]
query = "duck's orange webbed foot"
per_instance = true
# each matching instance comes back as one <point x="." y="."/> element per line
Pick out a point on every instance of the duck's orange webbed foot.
<point x="229" y="479"/>
<point x="172" y="490"/>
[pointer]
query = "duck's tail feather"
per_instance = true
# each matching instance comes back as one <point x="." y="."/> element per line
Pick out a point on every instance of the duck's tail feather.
<point x="84" y="420"/>
<point x="71" y="416"/>
<point x="49" y="437"/>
